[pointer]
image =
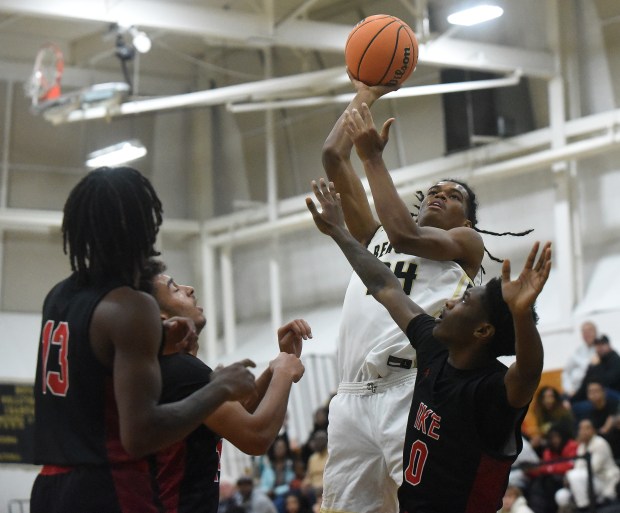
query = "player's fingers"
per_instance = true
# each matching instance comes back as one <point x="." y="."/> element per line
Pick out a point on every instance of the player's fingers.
<point x="302" y="328"/>
<point x="366" y="116"/>
<point x="246" y="362"/>
<point x="506" y="271"/>
<point x="312" y="207"/>
<point x="324" y="187"/>
<point x="356" y="119"/>
<point x="385" y="131"/>
<point x="529" y="263"/>
<point x="332" y="189"/>
<point x="306" y="327"/>
<point x="317" y="191"/>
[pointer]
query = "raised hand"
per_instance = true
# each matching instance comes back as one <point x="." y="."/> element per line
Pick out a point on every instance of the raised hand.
<point x="181" y="331"/>
<point x="360" y="127"/>
<point x="521" y="293"/>
<point x="236" y="379"/>
<point x="292" y="335"/>
<point x="331" y="218"/>
<point x="289" y="363"/>
<point x="377" y="91"/>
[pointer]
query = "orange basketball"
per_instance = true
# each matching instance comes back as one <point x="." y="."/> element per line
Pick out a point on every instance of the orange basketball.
<point x="381" y="49"/>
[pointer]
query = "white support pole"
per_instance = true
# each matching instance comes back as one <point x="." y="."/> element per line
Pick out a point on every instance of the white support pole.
<point x="228" y="299"/>
<point x="209" y="352"/>
<point x="4" y="182"/>
<point x="563" y="207"/>
<point x="272" y="196"/>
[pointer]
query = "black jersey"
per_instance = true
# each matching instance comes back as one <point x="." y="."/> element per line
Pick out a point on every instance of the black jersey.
<point x="77" y="431"/>
<point x="188" y="472"/>
<point x="462" y="435"/>
<point x="76" y="420"/>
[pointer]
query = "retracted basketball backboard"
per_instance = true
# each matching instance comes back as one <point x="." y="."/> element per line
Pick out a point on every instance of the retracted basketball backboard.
<point x="44" y="87"/>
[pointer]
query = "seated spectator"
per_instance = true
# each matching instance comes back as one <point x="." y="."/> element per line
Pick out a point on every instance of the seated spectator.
<point x="598" y="407"/>
<point x="514" y="502"/>
<point x="575" y="368"/>
<point x="604" y="368"/>
<point x="549" y="410"/>
<point x="277" y="472"/>
<point x="248" y="499"/>
<point x="605" y="472"/>
<point x="526" y="458"/>
<point x="548" y="477"/>
<point x="316" y="463"/>
<point x="611" y="432"/>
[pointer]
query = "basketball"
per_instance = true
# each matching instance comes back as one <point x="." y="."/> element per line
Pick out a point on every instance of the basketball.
<point x="381" y="50"/>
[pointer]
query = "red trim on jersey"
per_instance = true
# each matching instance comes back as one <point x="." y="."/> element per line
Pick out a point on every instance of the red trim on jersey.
<point x="52" y="470"/>
<point x="170" y="465"/>
<point x="488" y="488"/>
<point x="132" y="479"/>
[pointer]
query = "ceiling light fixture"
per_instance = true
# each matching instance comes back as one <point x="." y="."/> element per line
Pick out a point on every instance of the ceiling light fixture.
<point x="116" y="154"/>
<point x="140" y="41"/>
<point x="475" y="15"/>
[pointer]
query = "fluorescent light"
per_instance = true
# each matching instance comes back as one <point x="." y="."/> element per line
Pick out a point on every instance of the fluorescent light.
<point x="116" y="154"/>
<point x="475" y="15"/>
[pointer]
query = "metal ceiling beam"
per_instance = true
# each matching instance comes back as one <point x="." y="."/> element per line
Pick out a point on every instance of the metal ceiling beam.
<point x="255" y="30"/>
<point x="588" y="136"/>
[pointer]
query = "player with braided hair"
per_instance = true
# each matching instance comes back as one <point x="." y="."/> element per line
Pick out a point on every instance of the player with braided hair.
<point x="98" y="380"/>
<point x="436" y="257"/>
<point x="472" y="210"/>
<point x="464" y="427"/>
<point x="437" y="254"/>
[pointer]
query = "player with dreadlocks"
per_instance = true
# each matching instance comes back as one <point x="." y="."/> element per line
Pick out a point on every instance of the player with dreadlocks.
<point x="98" y="380"/>
<point x="436" y="255"/>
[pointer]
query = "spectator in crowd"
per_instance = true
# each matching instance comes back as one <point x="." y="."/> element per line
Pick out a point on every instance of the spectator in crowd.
<point x="316" y="463"/>
<point x="611" y="433"/>
<point x="548" y="477"/>
<point x="549" y="410"/>
<point x="248" y="499"/>
<point x="321" y="421"/>
<point x="598" y="407"/>
<point x="514" y="501"/>
<point x="527" y="458"/>
<point x="277" y="471"/>
<point x="575" y="368"/>
<point x="295" y="503"/>
<point x="604" y="368"/>
<point x="605" y="472"/>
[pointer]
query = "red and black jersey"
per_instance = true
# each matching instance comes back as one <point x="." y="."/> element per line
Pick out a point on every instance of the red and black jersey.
<point x="188" y="472"/>
<point x="462" y="435"/>
<point x="76" y="420"/>
<point x="76" y="429"/>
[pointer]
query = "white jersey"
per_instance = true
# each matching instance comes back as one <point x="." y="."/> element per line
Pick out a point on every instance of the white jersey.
<point x="371" y="344"/>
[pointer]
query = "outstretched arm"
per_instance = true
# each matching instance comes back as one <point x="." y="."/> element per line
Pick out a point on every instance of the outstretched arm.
<point x="290" y="340"/>
<point x="254" y="432"/>
<point x="380" y="281"/>
<point x="461" y="244"/>
<point x="520" y="294"/>
<point x="126" y="334"/>
<point x="337" y="164"/>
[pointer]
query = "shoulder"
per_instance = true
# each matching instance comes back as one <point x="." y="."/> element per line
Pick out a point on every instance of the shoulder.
<point x="420" y="329"/>
<point x="466" y="235"/>
<point x="125" y="312"/>
<point x="184" y="363"/>
<point x="181" y="375"/>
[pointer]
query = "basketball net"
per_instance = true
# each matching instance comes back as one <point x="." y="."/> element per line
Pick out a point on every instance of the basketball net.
<point x="44" y="83"/>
